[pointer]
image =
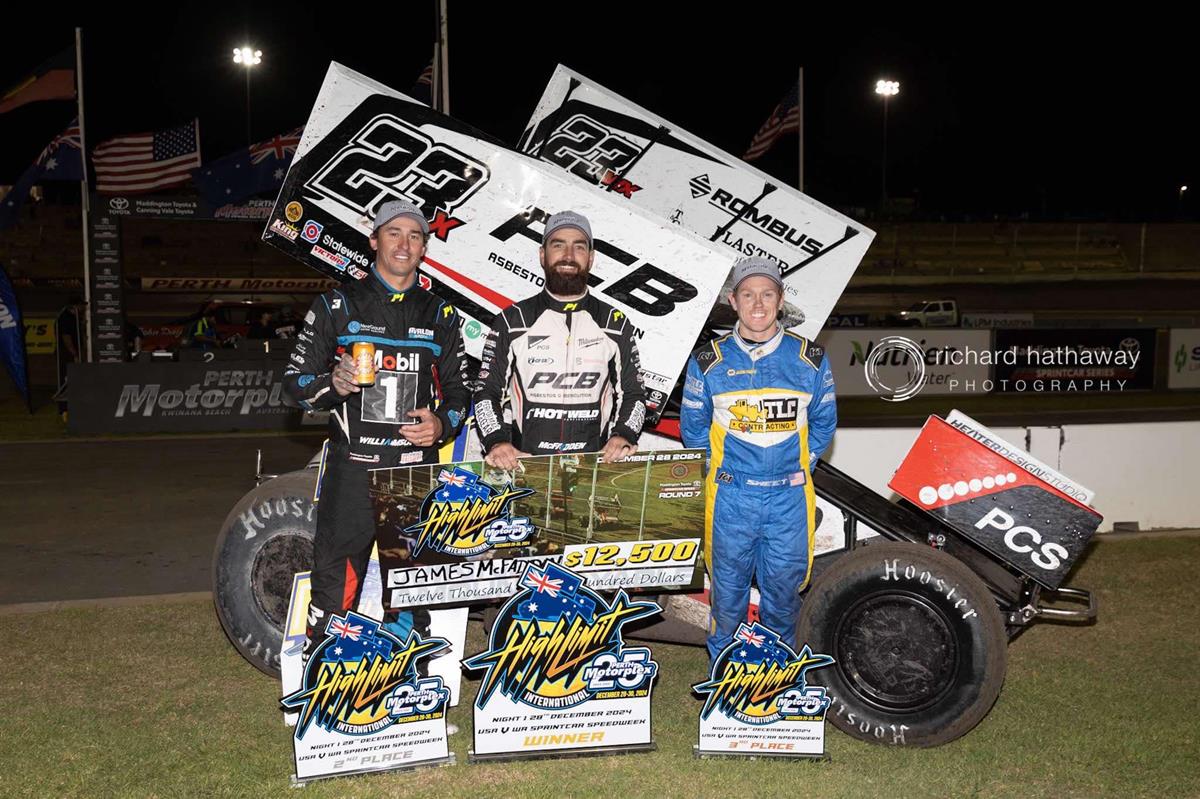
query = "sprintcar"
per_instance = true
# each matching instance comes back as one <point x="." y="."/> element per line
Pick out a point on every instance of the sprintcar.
<point x="916" y="600"/>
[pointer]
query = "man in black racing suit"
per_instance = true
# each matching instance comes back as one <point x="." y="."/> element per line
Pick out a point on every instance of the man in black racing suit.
<point x="418" y="402"/>
<point x="563" y="361"/>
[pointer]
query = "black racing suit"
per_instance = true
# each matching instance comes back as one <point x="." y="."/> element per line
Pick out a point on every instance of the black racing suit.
<point x="569" y="372"/>
<point x="419" y="363"/>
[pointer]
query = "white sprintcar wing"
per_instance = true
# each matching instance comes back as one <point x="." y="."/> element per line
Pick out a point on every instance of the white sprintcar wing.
<point x="642" y="159"/>
<point x="364" y="144"/>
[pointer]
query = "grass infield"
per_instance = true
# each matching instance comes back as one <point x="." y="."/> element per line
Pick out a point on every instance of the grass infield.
<point x="144" y="701"/>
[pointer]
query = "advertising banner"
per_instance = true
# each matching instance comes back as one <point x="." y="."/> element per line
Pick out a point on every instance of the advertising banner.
<point x="363" y="705"/>
<point x="1093" y="359"/>
<point x="464" y="533"/>
<point x="108" y="297"/>
<point x="178" y="397"/>
<point x="41" y="335"/>
<point x="12" y="338"/>
<point x="365" y="144"/>
<point x="995" y="502"/>
<point x="603" y="139"/>
<point x="955" y="361"/>
<point x="1183" y="370"/>
<point x="557" y="675"/>
<point x="215" y="285"/>
<point x="756" y="700"/>
<point x="183" y="207"/>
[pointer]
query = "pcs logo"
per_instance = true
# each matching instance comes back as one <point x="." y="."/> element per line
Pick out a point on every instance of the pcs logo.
<point x="462" y="516"/>
<point x="362" y="679"/>
<point x="759" y="680"/>
<point x="557" y="644"/>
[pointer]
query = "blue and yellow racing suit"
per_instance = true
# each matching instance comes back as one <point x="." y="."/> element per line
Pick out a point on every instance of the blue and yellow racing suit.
<point x="765" y="411"/>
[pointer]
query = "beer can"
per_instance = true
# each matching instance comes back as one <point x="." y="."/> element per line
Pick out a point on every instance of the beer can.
<point x="363" y="353"/>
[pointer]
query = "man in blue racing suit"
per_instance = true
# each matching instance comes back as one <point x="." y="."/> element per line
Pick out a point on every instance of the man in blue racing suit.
<point x="761" y="401"/>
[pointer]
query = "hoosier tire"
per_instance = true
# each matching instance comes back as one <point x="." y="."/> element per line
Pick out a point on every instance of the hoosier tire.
<point x="265" y="540"/>
<point x="919" y="644"/>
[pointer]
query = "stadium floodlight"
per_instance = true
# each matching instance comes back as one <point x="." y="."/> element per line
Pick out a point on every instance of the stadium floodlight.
<point x="247" y="57"/>
<point x="887" y="89"/>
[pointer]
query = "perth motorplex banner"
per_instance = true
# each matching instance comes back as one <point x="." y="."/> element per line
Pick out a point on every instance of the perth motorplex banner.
<point x="365" y="144"/>
<point x="645" y="161"/>
<point x="757" y="702"/>
<point x="557" y="675"/>
<point x="464" y="533"/>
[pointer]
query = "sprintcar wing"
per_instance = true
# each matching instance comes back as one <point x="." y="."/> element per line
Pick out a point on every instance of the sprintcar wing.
<point x="365" y="143"/>
<point x="603" y="139"/>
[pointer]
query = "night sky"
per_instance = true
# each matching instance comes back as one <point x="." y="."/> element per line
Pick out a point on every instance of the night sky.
<point x="1055" y="117"/>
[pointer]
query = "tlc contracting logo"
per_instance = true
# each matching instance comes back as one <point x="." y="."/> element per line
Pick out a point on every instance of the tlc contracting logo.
<point x="363" y="679"/>
<point x="462" y="516"/>
<point x="759" y="680"/>
<point x="557" y="644"/>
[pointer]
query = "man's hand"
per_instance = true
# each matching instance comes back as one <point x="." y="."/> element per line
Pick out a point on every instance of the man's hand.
<point x="343" y="377"/>
<point x="616" y="449"/>
<point x="425" y="432"/>
<point x="504" y="456"/>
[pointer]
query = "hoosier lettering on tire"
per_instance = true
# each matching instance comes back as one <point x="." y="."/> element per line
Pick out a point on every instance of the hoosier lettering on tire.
<point x="919" y="644"/>
<point x="265" y="540"/>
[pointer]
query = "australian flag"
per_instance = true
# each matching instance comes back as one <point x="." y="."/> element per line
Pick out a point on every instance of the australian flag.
<point x="353" y="637"/>
<point x="554" y="594"/>
<point x="758" y="644"/>
<point x="257" y="169"/>
<point x="461" y="485"/>
<point x="59" y="160"/>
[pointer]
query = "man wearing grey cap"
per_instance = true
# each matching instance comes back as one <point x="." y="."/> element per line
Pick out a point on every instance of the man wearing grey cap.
<point x="761" y="401"/>
<point x="417" y="402"/>
<point x="563" y="362"/>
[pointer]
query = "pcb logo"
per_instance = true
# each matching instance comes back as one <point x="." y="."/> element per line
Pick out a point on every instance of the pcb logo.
<point x="759" y="680"/>
<point x="462" y="516"/>
<point x="557" y="644"/>
<point x="362" y="679"/>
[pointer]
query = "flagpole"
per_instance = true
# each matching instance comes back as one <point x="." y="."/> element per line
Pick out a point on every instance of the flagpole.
<point x="444" y="56"/>
<point x="84" y="197"/>
<point x="800" y="126"/>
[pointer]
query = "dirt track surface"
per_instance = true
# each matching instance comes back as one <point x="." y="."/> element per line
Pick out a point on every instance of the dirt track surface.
<point x="81" y="520"/>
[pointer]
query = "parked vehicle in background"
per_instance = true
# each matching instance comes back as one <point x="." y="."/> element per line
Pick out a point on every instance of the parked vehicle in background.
<point x="930" y="313"/>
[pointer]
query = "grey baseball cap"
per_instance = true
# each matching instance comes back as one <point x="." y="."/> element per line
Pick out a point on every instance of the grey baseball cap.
<point x="568" y="219"/>
<point x="755" y="265"/>
<point x="394" y="208"/>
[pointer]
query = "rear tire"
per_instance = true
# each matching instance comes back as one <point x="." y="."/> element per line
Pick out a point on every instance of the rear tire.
<point x="918" y="641"/>
<point x="265" y="540"/>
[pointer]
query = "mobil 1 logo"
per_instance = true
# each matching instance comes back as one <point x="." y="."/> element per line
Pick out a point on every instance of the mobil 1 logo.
<point x="374" y="155"/>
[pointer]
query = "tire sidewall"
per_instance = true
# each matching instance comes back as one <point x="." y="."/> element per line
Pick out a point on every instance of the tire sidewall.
<point x="955" y="594"/>
<point x="280" y="507"/>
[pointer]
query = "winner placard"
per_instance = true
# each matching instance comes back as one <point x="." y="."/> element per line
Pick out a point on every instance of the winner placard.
<point x="364" y="705"/>
<point x="558" y="677"/>
<point x="757" y="703"/>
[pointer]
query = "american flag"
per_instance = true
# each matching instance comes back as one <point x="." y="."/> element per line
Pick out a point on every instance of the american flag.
<point x="280" y="147"/>
<point x="146" y="161"/>
<point x="784" y="119"/>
